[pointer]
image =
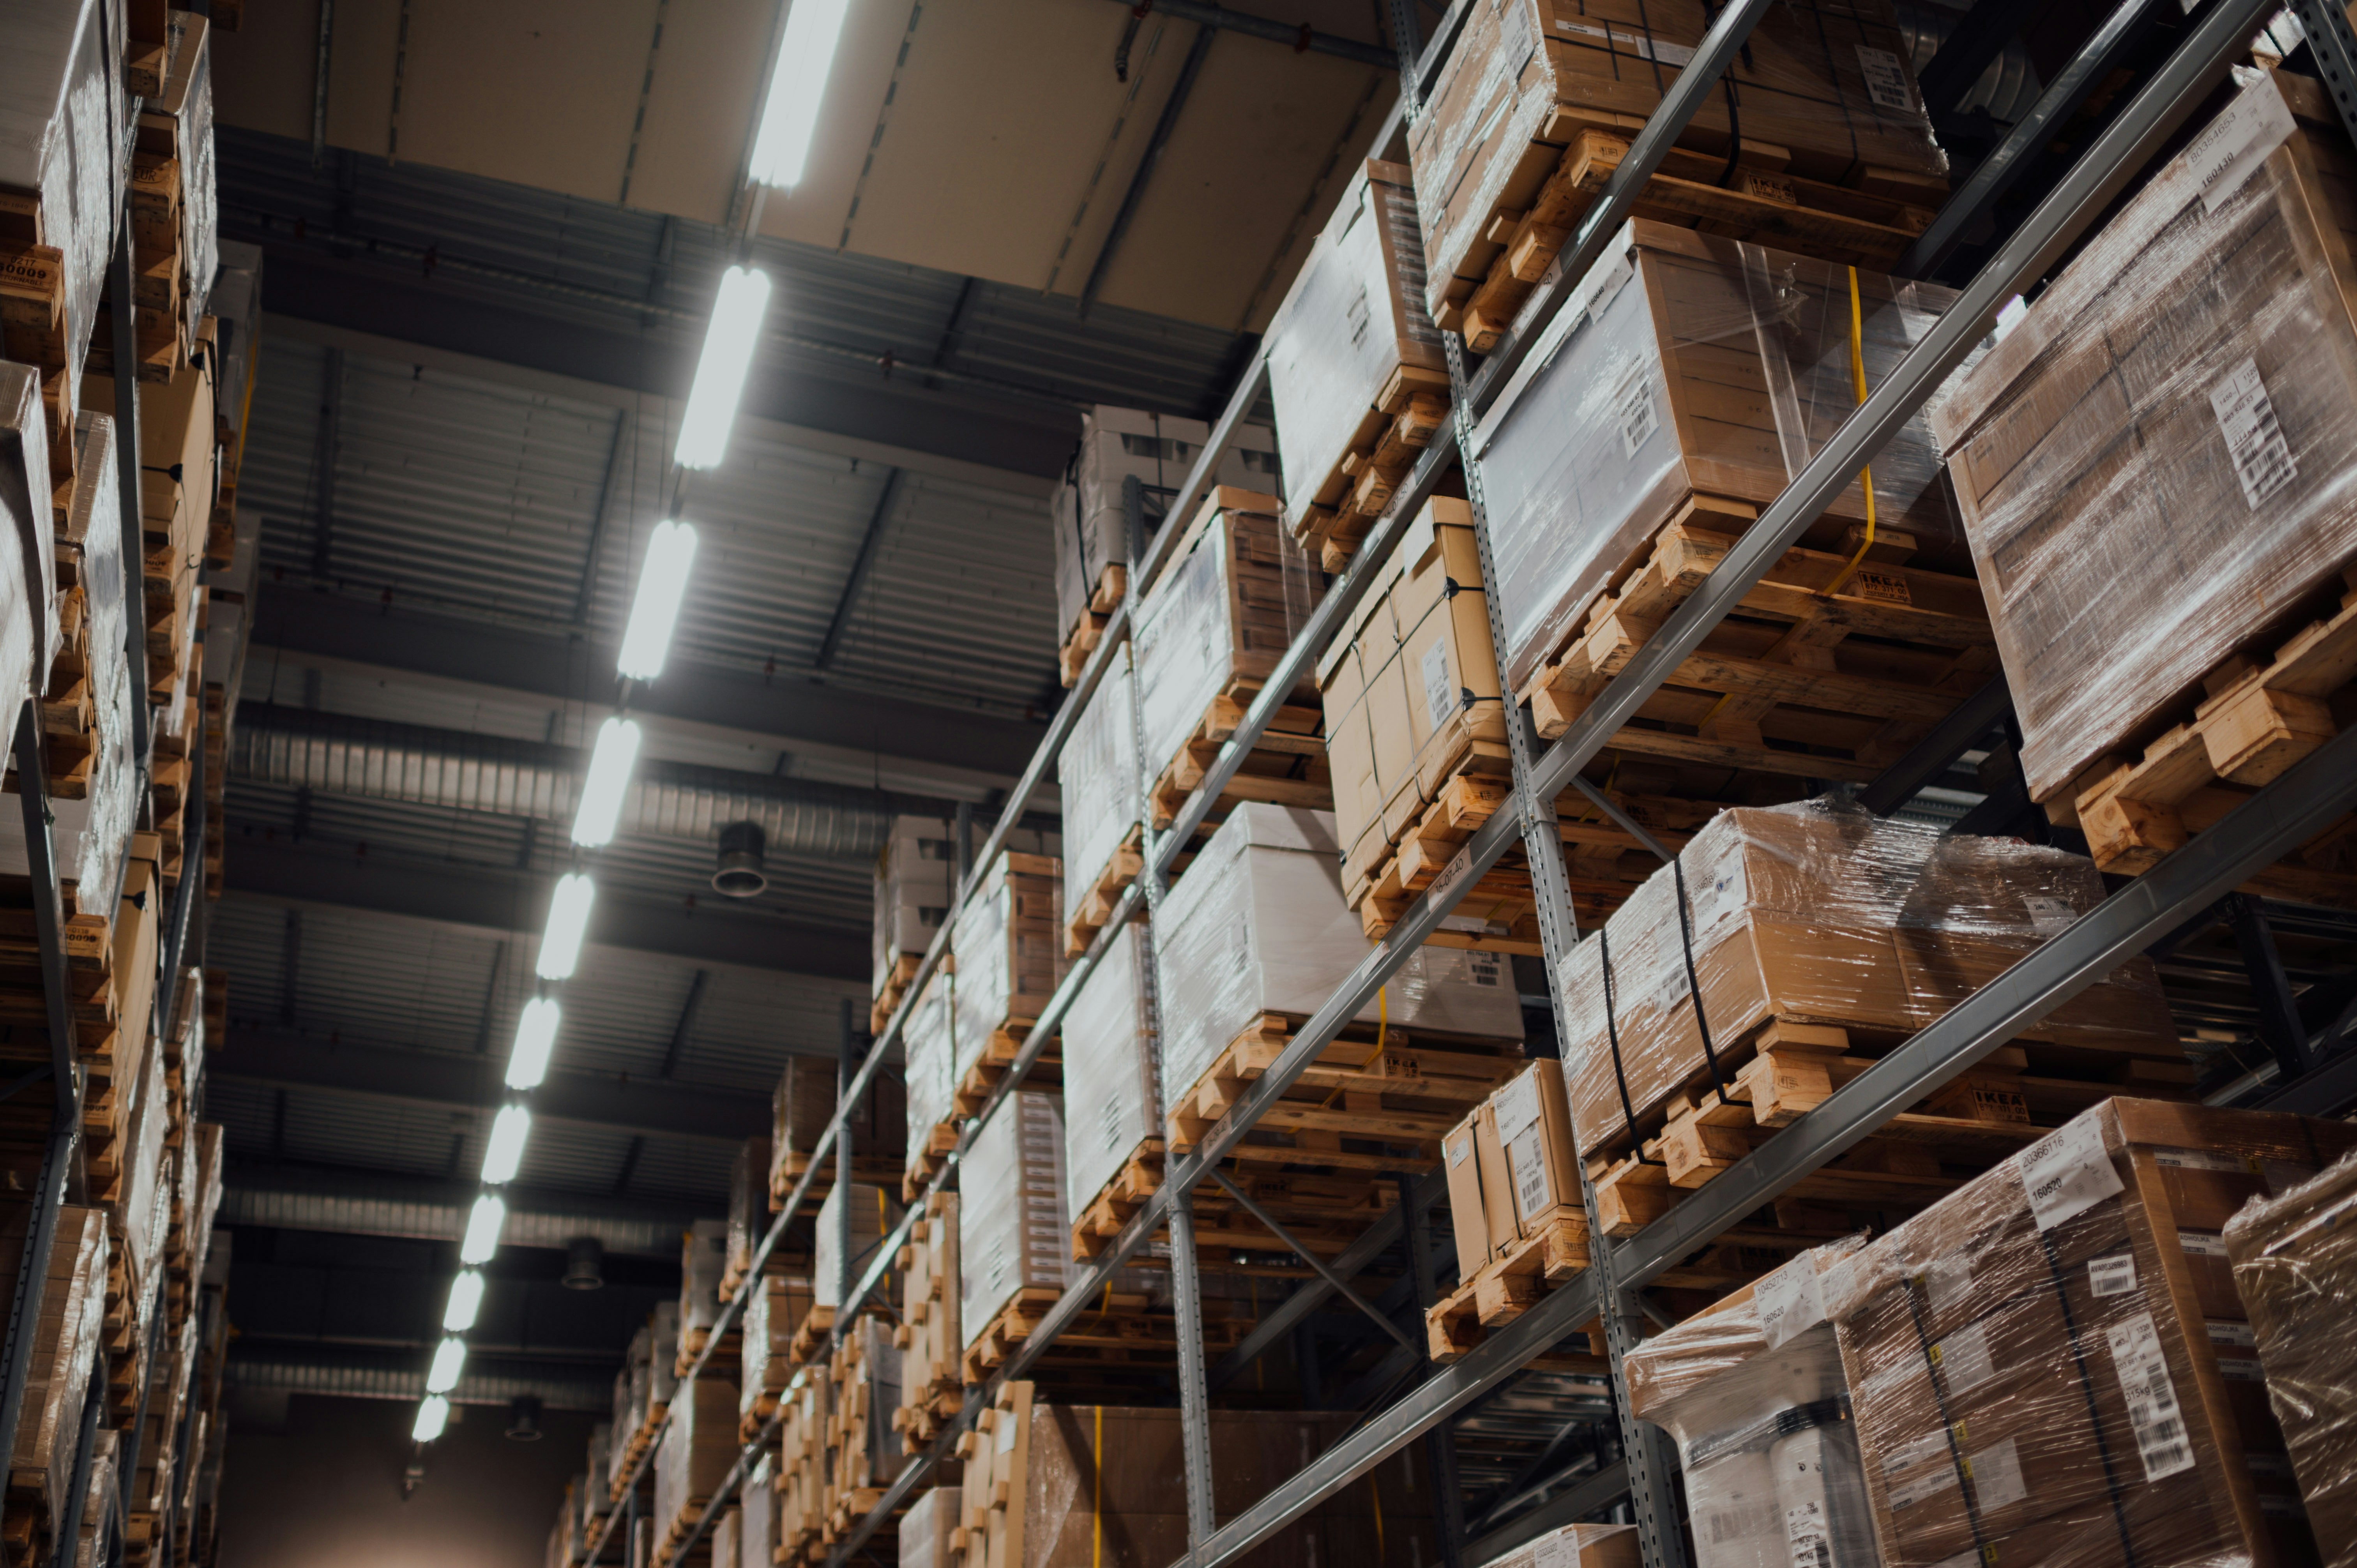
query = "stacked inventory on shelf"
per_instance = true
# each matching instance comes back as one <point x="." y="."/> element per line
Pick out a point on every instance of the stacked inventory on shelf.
<point x="1714" y="597"/>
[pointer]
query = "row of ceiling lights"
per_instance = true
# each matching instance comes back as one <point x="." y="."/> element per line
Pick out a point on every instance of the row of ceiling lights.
<point x="780" y="151"/>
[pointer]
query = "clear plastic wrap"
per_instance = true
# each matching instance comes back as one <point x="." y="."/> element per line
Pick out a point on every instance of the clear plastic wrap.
<point x="1084" y="512"/>
<point x="749" y="1205"/>
<point x="183" y="122"/>
<point x="144" y="1213"/>
<point x="2051" y="1366"/>
<point x="71" y="1311"/>
<point x="758" y="1541"/>
<point x="865" y="1390"/>
<point x="1014" y="1230"/>
<point x="702" y="1264"/>
<point x="1009" y="942"/>
<point x="929" y="1060"/>
<point x="27" y="570"/>
<point x="1625" y="408"/>
<point x="728" y="1537"/>
<point x="1112" y="1103"/>
<point x="1224" y="609"/>
<point x="2154" y="464"/>
<point x="1825" y="82"/>
<point x="2295" y="1261"/>
<point x="1821" y="912"/>
<point x="1097" y="774"/>
<point x="926" y="1528"/>
<point x="1355" y="315"/>
<point x="774" y="1308"/>
<point x="88" y="833"/>
<point x="1257" y="925"/>
<point x="630" y="1385"/>
<point x="698" y="1446"/>
<point x="1576" y="1546"/>
<point x="1752" y="1392"/>
<point x="662" y="1364"/>
<point x="873" y="1214"/>
<point x="597" y="1484"/>
<point x="912" y="892"/>
<point x="61" y="110"/>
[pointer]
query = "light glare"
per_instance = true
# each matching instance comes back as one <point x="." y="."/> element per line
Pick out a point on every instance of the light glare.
<point x="797" y="89"/>
<point x="730" y="340"/>
<point x="662" y="582"/>
<point x="483" y="1226"/>
<point x="602" y="792"/>
<point x="504" y="1152"/>
<point x="535" y="1038"/>
<point x="433" y="1415"/>
<point x="568" y="922"/>
<point x="466" y="1300"/>
<point x="450" y="1360"/>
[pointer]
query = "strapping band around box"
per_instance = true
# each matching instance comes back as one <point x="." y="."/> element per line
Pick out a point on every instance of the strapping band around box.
<point x="2087" y="1388"/>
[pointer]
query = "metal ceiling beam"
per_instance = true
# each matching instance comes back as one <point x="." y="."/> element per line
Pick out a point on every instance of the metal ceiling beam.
<point x="653" y="1108"/>
<point x="351" y="1201"/>
<point x="560" y="666"/>
<point x="500" y="902"/>
<point x="862" y="564"/>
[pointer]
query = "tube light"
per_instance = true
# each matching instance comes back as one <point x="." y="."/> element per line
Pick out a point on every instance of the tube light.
<point x="568" y="921"/>
<point x="616" y="752"/>
<point x="450" y="1360"/>
<point x="730" y="340"/>
<point x="510" y="1128"/>
<point x="535" y="1037"/>
<point x="466" y="1300"/>
<point x="483" y="1225"/>
<point x="797" y="89"/>
<point x="433" y="1415"/>
<point x="654" y="610"/>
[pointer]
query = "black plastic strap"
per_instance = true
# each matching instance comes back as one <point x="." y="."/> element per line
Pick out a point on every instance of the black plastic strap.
<point x="2087" y="1389"/>
<point x="1948" y="1428"/>
<point x="1694" y="986"/>
<point x="1612" y="1034"/>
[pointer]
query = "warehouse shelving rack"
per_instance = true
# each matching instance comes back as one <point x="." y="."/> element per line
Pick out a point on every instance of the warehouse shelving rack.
<point x="2264" y="828"/>
<point x="61" y="1178"/>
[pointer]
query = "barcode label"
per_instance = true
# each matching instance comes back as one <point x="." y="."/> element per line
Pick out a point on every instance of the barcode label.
<point x="1528" y="1158"/>
<point x="2202" y="1244"/>
<point x="2240" y="1369"/>
<point x="1997" y="1475"/>
<point x="2115" y="1275"/>
<point x="2254" y="437"/>
<point x="2154" y="1415"/>
<point x="1788" y="1301"/>
<point x="1658" y="51"/>
<point x="2067" y="1173"/>
<point x="2048" y="916"/>
<point x="1806" y="1533"/>
<point x="1439" y="693"/>
<point x="2231" y="1335"/>
<point x="1484" y="969"/>
<point x="2230" y="148"/>
<point x="2199" y="1160"/>
<point x="1633" y="405"/>
<point x="1886" y="81"/>
<point x="1963" y="1356"/>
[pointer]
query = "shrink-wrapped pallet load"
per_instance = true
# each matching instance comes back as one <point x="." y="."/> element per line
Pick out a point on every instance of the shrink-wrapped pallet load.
<point x="1576" y="1546"/>
<point x="774" y="1309"/>
<point x="1356" y="370"/>
<point x="1685" y="382"/>
<point x="864" y="1391"/>
<point x="1091" y="532"/>
<point x="757" y="1540"/>
<point x="702" y="1264"/>
<point x="1113" y="1102"/>
<point x="66" y="1328"/>
<point x="2294" y="1259"/>
<point x="698" y="1446"/>
<point x="931" y="1337"/>
<point x="1257" y="926"/>
<point x="1013" y="1227"/>
<point x="928" y="1528"/>
<point x="749" y="1210"/>
<point x="1009" y="942"/>
<point x="913" y="873"/>
<point x="873" y="1216"/>
<point x="2052" y="1364"/>
<point x="1235" y="594"/>
<point x="1822" y="916"/>
<point x="2154" y="468"/>
<point x="1097" y="777"/>
<point x="803" y="1103"/>
<point x="1752" y="1392"/>
<point x="599" y="1484"/>
<point x="1539" y="99"/>
<point x="28" y="600"/>
<point x="929" y="1068"/>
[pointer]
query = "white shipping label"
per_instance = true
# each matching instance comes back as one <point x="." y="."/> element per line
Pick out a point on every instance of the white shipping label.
<point x="1458" y="1149"/>
<point x="1527" y="1157"/>
<point x="1560" y="1549"/>
<point x="1922" y="1488"/>
<point x="1964" y="1358"/>
<point x="2199" y="1160"/>
<point x="1439" y="692"/>
<point x="2229" y="1335"/>
<point x="2230" y="148"/>
<point x="2254" y="438"/>
<point x="1805" y="1531"/>
<point x="2202" y="1244"/>
<point x="1788" y="1302"/>
<point x="1633" y="411"/>
<point x="2048" y="916"/>
<point x="1484" y="968"/>
<point x="1518" y="1105"/>
<point x="2153" y="1411"/>
<point x="1997" y="1475"/>
<point x="2115" y="1275"/>
<point x="2240" y="1369"/>
<point x="2067" y="1173"/>
<point x="1658" y="51"/>
<point x="1886" y="81"/>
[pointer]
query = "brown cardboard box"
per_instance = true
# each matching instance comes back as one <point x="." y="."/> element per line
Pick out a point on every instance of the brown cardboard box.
<point x="1497" y="1181"/>
<point x="1468" y="1215"/>
<point x="2125" y="552"/>
<point x="2031" y="1360"/>
<point x="1528" y="1123"/>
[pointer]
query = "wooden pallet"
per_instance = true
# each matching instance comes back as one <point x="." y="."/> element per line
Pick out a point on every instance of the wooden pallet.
<point x="1393" y="1092"/>
<point x="1119" y="1331"/>
<point x="1286" y="766"/>
<point x="1104" y="1217"/>
<point x="927" y="1157"/>
<point x="2258" y="713"/>
<point x="1092" y="911"/>
<point x="1502" y="898"/>
<point x="1507" y="1286"/>
<point x="2013" y="1098"/>
<point x="691" y="1342"/>
<point x="1088" y="631"/>
<point x="1693" y="190"/>
<point x="1412" y="409"/>
<point x="896" y="986"/>
<point x="1797" y="681"/>
<point x="636" y="1448"/>
<point x="932" y="1385"/>
<point x="866" y="1170"/>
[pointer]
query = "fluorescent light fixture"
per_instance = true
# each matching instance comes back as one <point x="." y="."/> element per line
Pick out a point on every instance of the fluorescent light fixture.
<point x="483" y="1226"/>
<point x="797" y="87"/>
<point x="610" y="761"/>
<point x="450" y="1360"/>
<point x="466" y="1300"/>
<point x="663" y="581"/>
<point x="433" y="1415"/>
<point x="730" y="340"/>
<point x="535" y="1038"/>
<point x="568" y="921"/>
<point x="510" y="1128"/>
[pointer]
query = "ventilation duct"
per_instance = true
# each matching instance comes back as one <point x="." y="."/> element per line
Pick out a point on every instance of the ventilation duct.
<point x="268" y="1372"/>
<point x="380" y="760"/>
<point x="434" y="1221"/>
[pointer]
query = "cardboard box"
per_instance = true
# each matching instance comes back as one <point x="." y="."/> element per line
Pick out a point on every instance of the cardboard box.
<point x="1530" y="1122"/>
<point x="1009" y="942"/>
<point x="1467" y="1208"/>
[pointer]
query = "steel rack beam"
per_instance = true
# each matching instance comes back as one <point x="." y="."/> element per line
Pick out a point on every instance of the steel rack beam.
<point x="1937" y="752"/>
<point x="1334" y="1279"/>
<point x="2158" y="108"/>
<point x="1594" y="1493"/>
<point x="126" y="345"/>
